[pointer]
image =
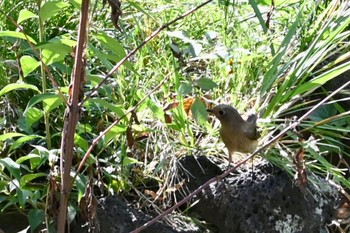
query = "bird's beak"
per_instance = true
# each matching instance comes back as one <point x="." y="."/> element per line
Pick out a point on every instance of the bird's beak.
<point x="209" y="110"/>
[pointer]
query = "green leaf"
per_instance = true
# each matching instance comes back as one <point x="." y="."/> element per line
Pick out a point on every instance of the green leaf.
<point x="23" y="196"/>
<point x="199" y="112"/>
<point x="51" y="101"/>
<point x="102" y="103"/>
<point x="54" y="52"/>
<point x="34" y="160"/>
<point x="81" y="142"/>
<point x="18" y="35"/>
<point x="128" y="160"/>
<point x="112" y="44"/>
<point x="81" y="183"/>
<point x="35" y="218"/>
<point x="113" y="133"/>
<point x="23" y="140"/>
<point x="28" y="64"/>
<point x="206" y="83"/>
<point x="185" y="88"/>
<point x="31" y="116"/>
<point x="71" y="213"/>
<point x="12" y="167"/>
<point x="5" y="136"/>
<point x="15" y="86"/>
<point x="50" y="8"/>
<point x="24" y="15"/>
<point x="29" y="177"/>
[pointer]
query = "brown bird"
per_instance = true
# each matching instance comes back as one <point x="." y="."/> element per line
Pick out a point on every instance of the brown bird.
<point x="238" y="134"/>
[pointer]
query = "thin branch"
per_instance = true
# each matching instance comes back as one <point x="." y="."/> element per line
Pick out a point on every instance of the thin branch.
<point x="218" y="178"/>
<point x="132" y="52"/>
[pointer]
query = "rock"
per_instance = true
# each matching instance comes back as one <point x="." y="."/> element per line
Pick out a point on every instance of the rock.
<point x="267" y="201"/>
<point x="115" y="216"/>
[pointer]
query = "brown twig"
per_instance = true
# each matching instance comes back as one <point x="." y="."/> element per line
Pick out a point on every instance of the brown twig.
<point x="72" y="115"/>
<point x="132" y="52"/>
<point x="218" y="178"/>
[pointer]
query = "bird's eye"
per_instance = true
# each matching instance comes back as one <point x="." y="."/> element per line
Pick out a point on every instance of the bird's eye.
<point x="221" y="112"/>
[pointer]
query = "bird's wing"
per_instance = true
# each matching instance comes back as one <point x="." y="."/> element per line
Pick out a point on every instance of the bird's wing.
<point x="250" y="128"/>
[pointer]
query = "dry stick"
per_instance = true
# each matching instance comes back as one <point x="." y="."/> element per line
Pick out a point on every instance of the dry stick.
<point x="72" y="116"/>
<point x="94" y="142"/>
<point x="217" y="178"/>
<point x="132" y="52"/>
<point x="52" y="79"/>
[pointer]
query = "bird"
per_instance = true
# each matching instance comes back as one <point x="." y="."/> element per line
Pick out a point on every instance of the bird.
<point x="238" y="135"/>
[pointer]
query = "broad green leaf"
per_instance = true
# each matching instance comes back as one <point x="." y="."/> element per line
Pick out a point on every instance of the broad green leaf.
<point x="50" y="8"/>
<point x="15" y="86"/>
<point x="18" y="35"/>
<point x="24" y="15"/>
<point x="29" y="177"/>
<point x="206" y="83"/>
<point x="23" y="196"/>
<point x="76" y="3"/>
<point x="50" y="100"/>
<point x="54" y="52"/>
<point x="199" y="112"/>
<point x="71" y="212"/>
<point x="35" y="157"/>
<point x="23" y="140"/>
<point x="185" y="88"/>
<point x="32" y="115"/>
<point x="112" y="44"/>
<point x="128" y="160"/>
<point x="28" y="64"/>
<point x="195" y="48"/>
<point x="5" y="136"/>
<point x="81" y="142"/>
<point x="12" y="167"/>
<point x="81" y="184"/>
<point x="102" y="103"/>
<point x="35" y="218"/>
<point x="113" y="133"/>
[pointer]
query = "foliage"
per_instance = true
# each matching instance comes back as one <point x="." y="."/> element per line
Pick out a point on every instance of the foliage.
<point x="218" y="54"/>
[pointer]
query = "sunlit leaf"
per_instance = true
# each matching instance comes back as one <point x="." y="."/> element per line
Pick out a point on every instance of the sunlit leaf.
<point x="128" y="160"/>
<point x="16" y="86"/>
<point x="51" y="100"/>
<point x="81" y="142"/>
<point x="206" y="83"/>
<point x="29" y="177"/>
<point x="24" y="15"/>
<point x="5" y="136"/>
<point x="19" y="142"/>
<point x="114" y="132"/>
<point x="81" y="183"/>
<point x="185" y="88"/>
<point x="18" y="35"/>
<point x="54" y="52"/>
<point x="199" y="112"/>
<point x="50" y="8"/>
<point x="28" y="64"/>
<point x="12" y="167"/>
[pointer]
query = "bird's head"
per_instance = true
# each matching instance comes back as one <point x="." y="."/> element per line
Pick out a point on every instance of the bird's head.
<point x="226" y="114"/>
